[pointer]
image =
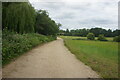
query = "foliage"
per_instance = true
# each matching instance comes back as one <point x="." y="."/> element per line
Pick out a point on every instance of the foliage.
<point x="101" y="37"/>
<point x="110" y="39"/>
<point x="77" y="32"/>
<point x="100" y="56"/>
<point x="22" y="18"/>
<point x="97" y="31"/>
<point x="18" y="17"/>
<point x="16" y="44"/>
<point x="21" y="25"/>
<point x="45" y="25"/>
<point x="116" y="33"/>
<point x="117" y="38"/>
<point x="67" y="32"/>
<point x="90" y="36"/>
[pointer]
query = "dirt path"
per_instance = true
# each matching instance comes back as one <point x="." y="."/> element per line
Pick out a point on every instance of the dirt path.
<point x="51" y="60"/>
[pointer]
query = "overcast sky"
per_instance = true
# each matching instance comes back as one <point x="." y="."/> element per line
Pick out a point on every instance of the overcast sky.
<point x="77" y="14"/>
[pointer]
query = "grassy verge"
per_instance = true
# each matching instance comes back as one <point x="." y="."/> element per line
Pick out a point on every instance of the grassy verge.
<point x="100" y="56"/>
<point x="13" y="44"/>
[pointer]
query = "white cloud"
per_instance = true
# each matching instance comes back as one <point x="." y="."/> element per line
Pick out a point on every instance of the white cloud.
<point x="74" y="14"/>
<point x="74" y="1"/>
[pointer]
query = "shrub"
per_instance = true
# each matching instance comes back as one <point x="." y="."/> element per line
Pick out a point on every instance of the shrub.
<point x="90" y="36"/>
<point x="14" y="44"/>
<point x="117" y="39"/>
<point x="79" y="39"/>
<point x="101" y="37"/>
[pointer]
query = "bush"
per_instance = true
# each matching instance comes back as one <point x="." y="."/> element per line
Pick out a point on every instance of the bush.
<point x="14" y="44"/>
<point x="90" y="36"/>
<point x="79" y="39"/>
<point x="117" y="39"/>
<point x="101" y="37"/>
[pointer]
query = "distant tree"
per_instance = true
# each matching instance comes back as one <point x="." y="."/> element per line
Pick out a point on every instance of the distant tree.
<point x="77" y="32"/>
<point x="117" y="39"/>
<point x="61" y="32"/>
<point x="67" y="30"/>
<point x="101" y="37"/>
<point x="98" y="31"/>
<point x="90" y="36"/>
<point x="109" y="33"/>
<point x="116" y="32"/>
<point x="83" y="32"/>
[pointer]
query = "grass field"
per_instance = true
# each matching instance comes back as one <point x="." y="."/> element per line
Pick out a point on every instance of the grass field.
<point x="85" y="38"/>
<point x="99" y="55"/>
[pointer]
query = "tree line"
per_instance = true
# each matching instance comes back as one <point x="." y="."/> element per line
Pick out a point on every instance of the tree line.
<point x="96" y="31"/>
<point x="22" y="18"/>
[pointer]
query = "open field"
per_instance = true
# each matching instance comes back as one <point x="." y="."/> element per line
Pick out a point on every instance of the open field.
<point x="99" y="55"/>
<point x="77" y="37"/>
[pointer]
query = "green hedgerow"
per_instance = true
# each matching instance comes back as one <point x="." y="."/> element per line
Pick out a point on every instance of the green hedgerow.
<point x="14" y="44"/>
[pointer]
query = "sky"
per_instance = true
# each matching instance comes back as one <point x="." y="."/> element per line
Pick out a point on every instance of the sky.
<point x="78" y="14"/>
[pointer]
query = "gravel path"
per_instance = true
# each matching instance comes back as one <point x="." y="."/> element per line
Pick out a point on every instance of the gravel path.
<point x="51" y="60"/>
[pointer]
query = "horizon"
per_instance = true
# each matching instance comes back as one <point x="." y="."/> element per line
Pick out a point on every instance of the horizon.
<point x="89" y="28"/>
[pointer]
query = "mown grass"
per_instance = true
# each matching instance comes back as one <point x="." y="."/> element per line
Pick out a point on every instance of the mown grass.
<point x="99" y="55"/>
<point x="14" y="45"/>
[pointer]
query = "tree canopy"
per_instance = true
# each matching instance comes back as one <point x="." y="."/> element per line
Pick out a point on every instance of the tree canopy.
<point x="97" y="31"/>
<point x="21" y="17"/>
<point x="44" y="24"/>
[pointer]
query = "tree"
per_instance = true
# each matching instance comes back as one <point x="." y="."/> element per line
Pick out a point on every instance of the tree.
<point x="101" y="37"/>
<point x="109" y="33"/>
<point x="83" y="32"/>
<point x="116" y="32"/>
<point x="18" y="17"/>
<point x="67" y="30"/>
<point x="59" y="25"/>
<point x="98" y="31"/>
<point x="90" y="36"/>
<point x="45" y="25"/>
<point x="117" y="39"/>
<point x="61" y="32"/>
